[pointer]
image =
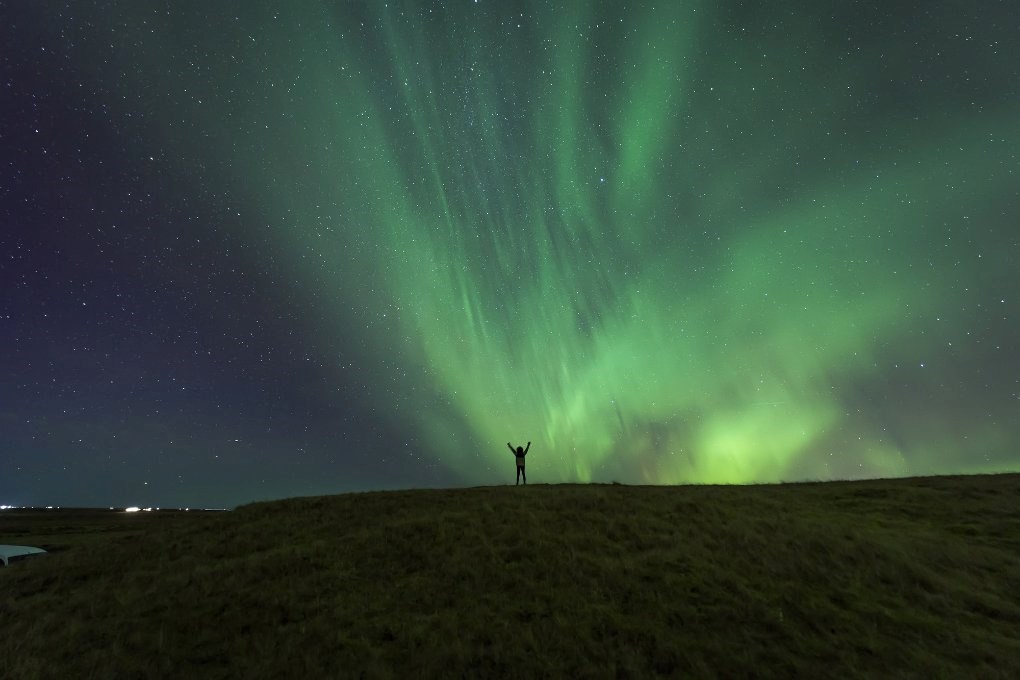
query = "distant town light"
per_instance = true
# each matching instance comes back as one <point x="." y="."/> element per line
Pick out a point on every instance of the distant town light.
<point x="133" y="508"/>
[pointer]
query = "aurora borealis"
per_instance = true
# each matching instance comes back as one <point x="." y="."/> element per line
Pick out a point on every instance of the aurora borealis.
<point x="253" y="250"/>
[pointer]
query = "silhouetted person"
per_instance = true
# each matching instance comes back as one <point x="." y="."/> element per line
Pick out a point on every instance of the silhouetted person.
<point x="520" y="453"/>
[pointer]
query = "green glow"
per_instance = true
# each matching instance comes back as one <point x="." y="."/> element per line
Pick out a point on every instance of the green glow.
<point x="659" y="251"/>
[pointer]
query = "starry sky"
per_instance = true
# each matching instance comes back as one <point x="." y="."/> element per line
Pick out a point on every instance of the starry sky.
<point x="252" y="249"/>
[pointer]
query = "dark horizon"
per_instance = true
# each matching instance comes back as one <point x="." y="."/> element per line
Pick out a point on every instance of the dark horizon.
<point x="227" y="508"/>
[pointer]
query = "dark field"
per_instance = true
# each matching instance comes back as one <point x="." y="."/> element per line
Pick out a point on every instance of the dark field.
<point x="63" y="529"/>
<point x="908" y="578"/>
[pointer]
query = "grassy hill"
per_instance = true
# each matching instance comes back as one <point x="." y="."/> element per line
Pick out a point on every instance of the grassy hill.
<point x="914" y="577"/>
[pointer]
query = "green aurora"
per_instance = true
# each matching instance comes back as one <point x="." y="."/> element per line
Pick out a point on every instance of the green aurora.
<point x="694" y="242"/>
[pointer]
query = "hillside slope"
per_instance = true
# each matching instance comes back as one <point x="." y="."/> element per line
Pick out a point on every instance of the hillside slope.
<point x="913" y="577"/>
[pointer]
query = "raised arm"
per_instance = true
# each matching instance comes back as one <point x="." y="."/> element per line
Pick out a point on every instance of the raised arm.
<point x="511" y="448"/>
<point x="526" y="448"/>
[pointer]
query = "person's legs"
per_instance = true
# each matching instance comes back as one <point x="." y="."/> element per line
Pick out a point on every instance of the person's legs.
<point x="518" y="475"/>
<point x="524" y="475"/>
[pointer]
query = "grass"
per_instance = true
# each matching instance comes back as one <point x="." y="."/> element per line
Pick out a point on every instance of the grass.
<point x="911" y="578"/>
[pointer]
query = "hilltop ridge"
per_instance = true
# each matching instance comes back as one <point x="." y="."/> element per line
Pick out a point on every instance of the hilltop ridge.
<point x="904" y="577"/>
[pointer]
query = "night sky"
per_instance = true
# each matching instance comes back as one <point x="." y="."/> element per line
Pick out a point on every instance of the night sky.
<point x="251" y="250"/>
